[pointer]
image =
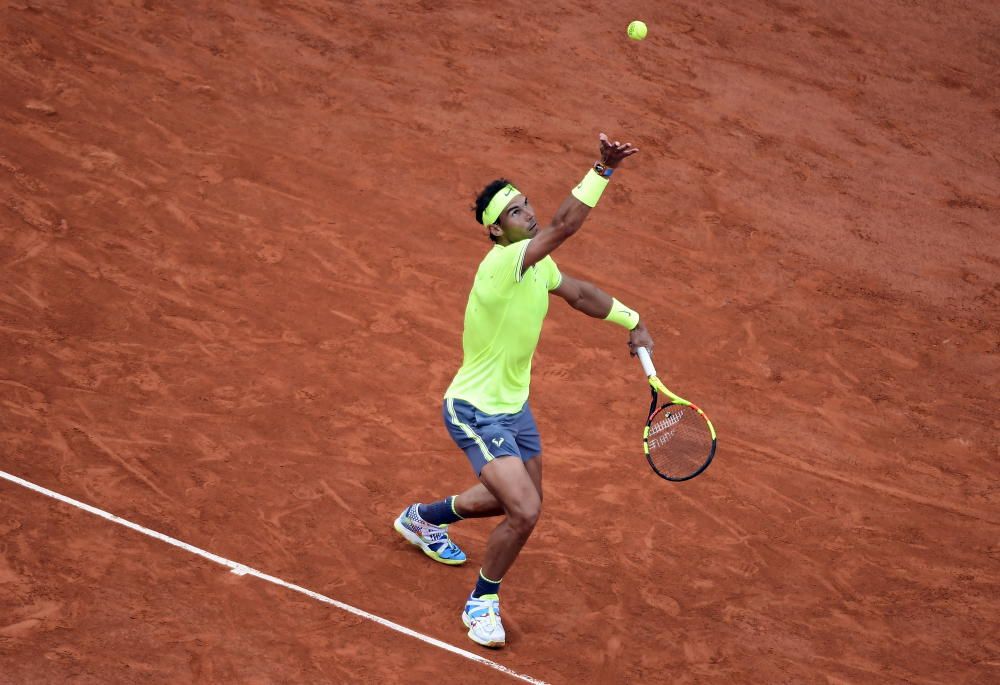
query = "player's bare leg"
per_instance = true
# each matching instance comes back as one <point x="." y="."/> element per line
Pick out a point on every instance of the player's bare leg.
<point x="509" y="481"/>
<point x="479" y="502"/>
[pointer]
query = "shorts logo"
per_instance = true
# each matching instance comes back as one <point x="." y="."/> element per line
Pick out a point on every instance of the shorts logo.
<point x="497" y="442"/>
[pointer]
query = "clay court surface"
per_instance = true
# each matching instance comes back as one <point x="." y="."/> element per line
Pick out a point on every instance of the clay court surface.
<point x="236" y="245"/>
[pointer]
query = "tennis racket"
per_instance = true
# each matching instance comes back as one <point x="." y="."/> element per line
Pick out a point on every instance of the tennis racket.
<point x="679" y="440"/>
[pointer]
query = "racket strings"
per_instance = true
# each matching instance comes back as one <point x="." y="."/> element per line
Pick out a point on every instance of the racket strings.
<point x="679" y="441"/>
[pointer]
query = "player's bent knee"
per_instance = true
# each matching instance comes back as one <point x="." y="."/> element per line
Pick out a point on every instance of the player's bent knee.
<point x="523" y="516"/>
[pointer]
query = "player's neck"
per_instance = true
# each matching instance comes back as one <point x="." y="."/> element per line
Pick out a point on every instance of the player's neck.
<point x="503" y="241"/>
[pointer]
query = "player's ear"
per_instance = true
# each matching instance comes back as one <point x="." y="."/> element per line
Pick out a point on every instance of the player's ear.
<point x="495" y="230"/>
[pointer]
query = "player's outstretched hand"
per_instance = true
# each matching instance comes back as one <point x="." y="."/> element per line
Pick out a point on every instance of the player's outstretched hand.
<point x="613" y="152"/>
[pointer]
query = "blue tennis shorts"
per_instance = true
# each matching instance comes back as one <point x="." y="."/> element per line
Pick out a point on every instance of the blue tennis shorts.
<point x="485" y="437"/>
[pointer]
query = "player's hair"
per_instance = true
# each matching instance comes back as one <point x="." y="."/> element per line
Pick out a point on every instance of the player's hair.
<point x="484" y="200"/>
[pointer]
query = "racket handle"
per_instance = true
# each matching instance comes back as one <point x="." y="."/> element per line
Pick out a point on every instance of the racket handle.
<point x="647" y="363"/>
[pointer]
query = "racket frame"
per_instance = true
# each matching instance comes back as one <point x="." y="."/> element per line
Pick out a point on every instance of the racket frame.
<point x="657" y="387"/>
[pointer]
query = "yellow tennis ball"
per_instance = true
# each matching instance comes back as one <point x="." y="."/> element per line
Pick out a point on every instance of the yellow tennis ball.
<point x="637" y="30"/>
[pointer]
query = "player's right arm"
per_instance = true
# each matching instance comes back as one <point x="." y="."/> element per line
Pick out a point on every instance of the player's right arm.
<point x="572" y="212"/>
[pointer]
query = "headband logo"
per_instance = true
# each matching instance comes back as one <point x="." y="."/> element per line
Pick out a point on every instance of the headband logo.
<point x="499" y="203"/>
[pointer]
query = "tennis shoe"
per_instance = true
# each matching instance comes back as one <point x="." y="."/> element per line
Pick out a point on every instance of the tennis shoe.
<point x="432" y="540"/>
<point x="482" y="618"/>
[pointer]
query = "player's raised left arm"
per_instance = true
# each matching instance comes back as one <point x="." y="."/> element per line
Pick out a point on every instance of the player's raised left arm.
<point x="586" y="297"/>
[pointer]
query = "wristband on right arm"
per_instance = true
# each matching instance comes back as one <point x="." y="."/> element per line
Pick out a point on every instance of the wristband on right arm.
<point x="590" y="188"/>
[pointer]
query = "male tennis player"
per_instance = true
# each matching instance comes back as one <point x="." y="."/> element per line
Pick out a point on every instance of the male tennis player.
<point x="486" y="407"/>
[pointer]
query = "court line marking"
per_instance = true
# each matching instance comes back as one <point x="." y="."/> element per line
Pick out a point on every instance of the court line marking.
<point x="243" y="570"/>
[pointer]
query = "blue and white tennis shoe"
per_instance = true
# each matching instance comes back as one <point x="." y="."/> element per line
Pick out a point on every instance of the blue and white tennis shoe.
<point x="482" y="618"/>
<point x="432" y="540"/>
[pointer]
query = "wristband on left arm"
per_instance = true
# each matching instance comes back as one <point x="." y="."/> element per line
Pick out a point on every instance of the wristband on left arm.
<point x="622" y="315"/>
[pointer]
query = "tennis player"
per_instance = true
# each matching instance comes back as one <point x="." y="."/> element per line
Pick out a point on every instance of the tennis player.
<point x="486" y="407"/>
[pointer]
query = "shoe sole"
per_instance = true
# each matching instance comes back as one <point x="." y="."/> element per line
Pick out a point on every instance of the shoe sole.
<point x="415" y="540"/>
<point x="495" y="644"/>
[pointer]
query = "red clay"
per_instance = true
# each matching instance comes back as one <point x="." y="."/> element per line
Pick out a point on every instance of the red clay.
<point x="235" y="251"/>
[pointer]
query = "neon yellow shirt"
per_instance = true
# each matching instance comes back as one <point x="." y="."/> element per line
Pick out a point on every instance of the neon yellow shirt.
<point x="503" y="320"/>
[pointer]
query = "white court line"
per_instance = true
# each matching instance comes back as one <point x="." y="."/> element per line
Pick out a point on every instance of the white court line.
<point x="241" y="570"/>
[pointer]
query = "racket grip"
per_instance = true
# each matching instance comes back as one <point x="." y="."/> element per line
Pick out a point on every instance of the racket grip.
<point x="647" y="363"/>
